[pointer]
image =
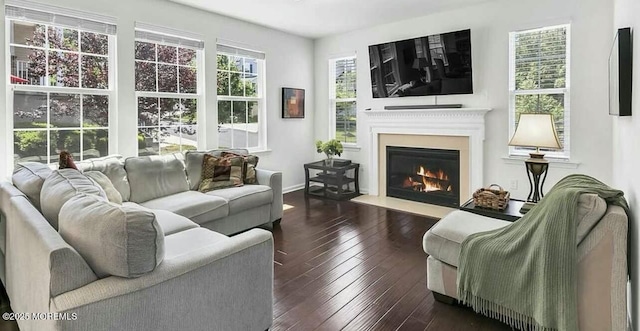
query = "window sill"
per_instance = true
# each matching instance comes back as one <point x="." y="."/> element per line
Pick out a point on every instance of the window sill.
<point x="556" y="162"/>
<point x="260" y="150"/>
<point x="351" y="147"/>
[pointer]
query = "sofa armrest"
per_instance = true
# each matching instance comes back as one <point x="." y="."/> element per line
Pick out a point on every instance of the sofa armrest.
<point x="223" y="286"/>
<point x="274" y="180"/>
<point x="39" y="263"/>
<point x="603" y="274"/>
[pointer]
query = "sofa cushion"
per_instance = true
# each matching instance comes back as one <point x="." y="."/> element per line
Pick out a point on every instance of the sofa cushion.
<point x="156" y="176"/>
<point x="191" y="241"/>
<point x="248" y="167"/>
<point x="62" y="185"/>
<point x="221" y="172"/>
<point x="591" y="208"/>
<point x="169" y="222"/>
<point x="28" y="177"/>
<point x="443" y="240"/>
<point x="114" y="240"/>
<point x="245" y="197"/>
<point x="196" y="206"/>
<point x="113" y="167"/>
<point x="112" y="194"/>
<point x="193" y="163"/>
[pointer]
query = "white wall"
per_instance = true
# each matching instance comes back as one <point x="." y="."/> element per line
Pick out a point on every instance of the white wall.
<point x="490" y="25"/>
<point x="626" y="154"/>
<point x="289" y="63"/>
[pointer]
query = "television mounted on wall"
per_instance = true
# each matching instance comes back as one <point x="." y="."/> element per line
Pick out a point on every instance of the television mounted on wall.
<point x="621" y="74"/>
<point x="438" y="64"/>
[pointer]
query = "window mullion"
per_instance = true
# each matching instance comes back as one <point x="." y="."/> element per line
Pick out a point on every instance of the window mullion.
<point x="80" y="74"/>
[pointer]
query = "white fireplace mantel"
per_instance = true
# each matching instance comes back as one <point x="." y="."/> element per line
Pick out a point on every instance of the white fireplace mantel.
<point x="466" y="122"/>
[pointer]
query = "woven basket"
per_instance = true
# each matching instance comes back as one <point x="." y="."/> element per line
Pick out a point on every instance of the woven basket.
<point x="492" y="198"/>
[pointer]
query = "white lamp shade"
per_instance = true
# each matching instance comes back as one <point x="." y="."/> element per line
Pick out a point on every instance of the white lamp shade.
<point x="536" y="130"/>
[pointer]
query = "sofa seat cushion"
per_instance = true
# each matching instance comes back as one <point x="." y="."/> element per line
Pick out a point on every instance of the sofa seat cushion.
<point x="62" y="185"/>
<point x="157" y="176"/>
<point x="190" y="241"/>
<point x="244" y="197"/>
<point x="113" y="239"/>
<point x="29" y="177"/>
<point x="443" y="240"/>
<point x="196" y="206"/>
<point x="169" y="222"/>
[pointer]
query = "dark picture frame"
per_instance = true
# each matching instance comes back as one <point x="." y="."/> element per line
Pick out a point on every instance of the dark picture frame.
<point x="621" y="74"/>
<point x="292" y="102"/>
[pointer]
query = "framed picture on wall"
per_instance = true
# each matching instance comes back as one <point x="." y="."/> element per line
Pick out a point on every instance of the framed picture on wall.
<point x="292" y="102"/>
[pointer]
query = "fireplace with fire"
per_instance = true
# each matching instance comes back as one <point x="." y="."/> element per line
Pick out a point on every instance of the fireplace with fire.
<point x="424" y="175"/>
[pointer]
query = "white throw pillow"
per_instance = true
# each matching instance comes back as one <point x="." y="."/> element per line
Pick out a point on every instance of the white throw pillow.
<point x="112" y="194"/>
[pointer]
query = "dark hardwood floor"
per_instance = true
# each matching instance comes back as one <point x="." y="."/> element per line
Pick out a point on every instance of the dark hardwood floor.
<point x="347" y="266"/>
<point x="5" y="308"/>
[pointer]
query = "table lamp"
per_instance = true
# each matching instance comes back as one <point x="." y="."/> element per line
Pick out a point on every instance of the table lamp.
<point x="539" y="131"/>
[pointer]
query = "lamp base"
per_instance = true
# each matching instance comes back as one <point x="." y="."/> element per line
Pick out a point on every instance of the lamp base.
<point x="526" y="207"/>
<point x="536" y="155"/>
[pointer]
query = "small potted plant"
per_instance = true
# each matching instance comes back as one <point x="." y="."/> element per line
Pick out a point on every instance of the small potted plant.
<point x="329" y="148"/>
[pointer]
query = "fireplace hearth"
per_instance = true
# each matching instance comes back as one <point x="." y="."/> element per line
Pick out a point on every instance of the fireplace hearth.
<point x="424" y="175"/>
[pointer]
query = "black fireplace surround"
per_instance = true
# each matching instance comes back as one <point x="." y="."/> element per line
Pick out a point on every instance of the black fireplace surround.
<point x="424" y="175"/>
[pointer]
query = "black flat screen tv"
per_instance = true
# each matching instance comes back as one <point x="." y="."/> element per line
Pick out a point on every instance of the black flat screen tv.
<point x="433" y="65"/>
<point x="621" y="74"/>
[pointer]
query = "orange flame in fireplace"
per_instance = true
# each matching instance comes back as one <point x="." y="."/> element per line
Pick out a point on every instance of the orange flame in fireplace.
<point x="431" y="181"/>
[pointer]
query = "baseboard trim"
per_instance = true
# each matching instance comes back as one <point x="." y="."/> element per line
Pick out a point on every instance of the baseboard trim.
<point x="292" y="188"/>
<point x="301" y="186"/>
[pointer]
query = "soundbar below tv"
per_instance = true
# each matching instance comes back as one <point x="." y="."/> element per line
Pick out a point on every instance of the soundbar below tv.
<point x="432" y="65"/>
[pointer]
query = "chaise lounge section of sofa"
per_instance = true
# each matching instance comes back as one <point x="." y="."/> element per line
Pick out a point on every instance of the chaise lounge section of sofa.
<point x="602" y="259"/>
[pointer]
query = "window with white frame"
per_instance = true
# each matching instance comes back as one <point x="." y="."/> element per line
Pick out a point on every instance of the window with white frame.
<point x="168" y="92"/>
<point x="342" y="95"/>
<point x="61" y="83"/>
<point x="539" y="80"/>
<point x="241" y="114"/>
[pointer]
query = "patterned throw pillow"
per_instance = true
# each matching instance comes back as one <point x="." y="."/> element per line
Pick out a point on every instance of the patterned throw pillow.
<point x="249" y="167"/>
<point x="220" y="172"/>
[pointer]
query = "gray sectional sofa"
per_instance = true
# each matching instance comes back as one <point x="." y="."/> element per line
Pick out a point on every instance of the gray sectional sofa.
<point x="168" y="258"/>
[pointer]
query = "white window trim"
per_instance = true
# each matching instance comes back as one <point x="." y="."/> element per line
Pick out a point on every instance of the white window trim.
<point x="333" y="100"/>
<point x="513" y="152"/>
<point x="200" y="87"/>
<point x="11" y="88"/>
<point x="261" y="98"/>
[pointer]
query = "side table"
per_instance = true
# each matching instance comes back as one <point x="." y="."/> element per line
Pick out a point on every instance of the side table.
<point x="511" y="213"/>
<point x="335" y="180"/>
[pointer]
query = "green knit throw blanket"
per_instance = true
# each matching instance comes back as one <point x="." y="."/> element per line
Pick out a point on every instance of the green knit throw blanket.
<point x="525" y="274"/>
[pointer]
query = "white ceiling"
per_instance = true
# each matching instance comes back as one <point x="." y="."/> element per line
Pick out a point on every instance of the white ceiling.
<point x="319" y="18"/>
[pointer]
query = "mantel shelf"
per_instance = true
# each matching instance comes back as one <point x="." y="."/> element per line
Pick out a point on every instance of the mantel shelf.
<point x="431" y="112"/>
